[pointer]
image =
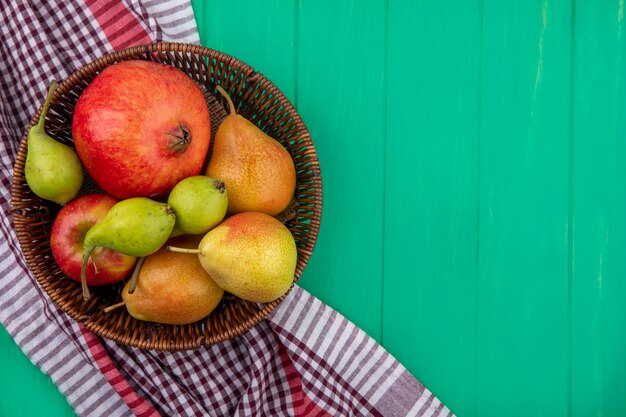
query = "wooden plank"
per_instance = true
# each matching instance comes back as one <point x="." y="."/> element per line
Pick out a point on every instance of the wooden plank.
<point x="260" y="33"/>
<point x="523" y="339"/>
<point x="599" y="210"/>
<point x="340" y="89"/>
<point x="431" y="195"/>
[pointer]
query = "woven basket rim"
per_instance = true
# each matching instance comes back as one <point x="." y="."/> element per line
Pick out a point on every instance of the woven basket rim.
<point x="18" y="206"/>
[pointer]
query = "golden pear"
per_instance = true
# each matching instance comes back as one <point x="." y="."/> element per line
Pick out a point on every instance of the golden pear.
<point x="258" y="171"/>
<point x="173" y="288"/>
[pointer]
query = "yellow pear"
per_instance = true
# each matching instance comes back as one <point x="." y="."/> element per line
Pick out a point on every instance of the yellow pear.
<point x="251" y="255"/>
<point x="258" y="171"/>
<point x="173" y="288"/>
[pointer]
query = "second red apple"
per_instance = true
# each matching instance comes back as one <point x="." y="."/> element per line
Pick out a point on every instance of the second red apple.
<point x="66" y="242"/>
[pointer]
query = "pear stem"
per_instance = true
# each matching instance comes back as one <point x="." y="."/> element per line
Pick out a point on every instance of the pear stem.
<point x="83" y="273"/>
<point x="231" y="106"/>
<point x="184" y="250"/>
<point x="46" y="105"/>
<point x="114" y="306"/>
<point x="135" y="277"/>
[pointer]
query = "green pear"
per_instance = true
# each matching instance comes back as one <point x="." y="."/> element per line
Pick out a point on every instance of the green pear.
<point x="251" y="255"/>
<point x="200" y="204"/>
<point x="136" y="227"/>
<point x="52" y="170"/>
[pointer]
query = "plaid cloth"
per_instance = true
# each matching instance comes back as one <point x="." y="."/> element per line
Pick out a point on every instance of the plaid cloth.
<point x="304" y="360"/>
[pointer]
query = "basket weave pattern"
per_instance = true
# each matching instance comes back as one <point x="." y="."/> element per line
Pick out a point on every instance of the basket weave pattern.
<point x="255" y="98"/>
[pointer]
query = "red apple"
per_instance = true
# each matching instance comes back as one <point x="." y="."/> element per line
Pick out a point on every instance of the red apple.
<point x="66" y="241"/>
<point x="140" y="127"/>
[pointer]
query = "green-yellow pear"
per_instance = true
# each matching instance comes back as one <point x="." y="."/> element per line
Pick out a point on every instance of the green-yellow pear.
<point x="251" y="255"/>
<point x="200" y="203"/>
<point x="136" y="226"/>
<point x="173" y="288"/>
<point x="258" y="171"/>
<point x="52" y="169"/>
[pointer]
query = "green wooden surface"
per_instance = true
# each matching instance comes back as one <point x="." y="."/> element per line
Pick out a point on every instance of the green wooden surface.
<point x="522" y="301"/>
<point x="599" y="211"/>
<point x="430" y="257"/>
<point x="342" y="86"/>
<point x="474" y="203"/>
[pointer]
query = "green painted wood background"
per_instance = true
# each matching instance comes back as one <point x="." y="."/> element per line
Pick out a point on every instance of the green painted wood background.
<point x="474" y="197"/>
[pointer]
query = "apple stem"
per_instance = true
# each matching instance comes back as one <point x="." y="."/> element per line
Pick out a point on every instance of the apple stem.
<point x="83" y="273"/>
<point x="231" y="106"/>
<point x="114" y="306"/>
<point x="135" y="277"/>
<point x="46" y="105"/>
<point x="184" y="250"/>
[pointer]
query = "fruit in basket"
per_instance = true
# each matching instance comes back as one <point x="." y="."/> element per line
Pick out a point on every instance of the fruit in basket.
<point x="251" y="255"/>
<point x="69" y="228"/>
<point x="136" y="227"/>
<point x="258" y="171"/>
<point x="52" y="169"/>
<point x="173" y="288"/>
<point x="140" y="127"/>
<point x="199" y="203"/>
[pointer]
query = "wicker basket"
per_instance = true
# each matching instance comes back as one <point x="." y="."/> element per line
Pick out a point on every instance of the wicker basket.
<point x="257" y="99"/>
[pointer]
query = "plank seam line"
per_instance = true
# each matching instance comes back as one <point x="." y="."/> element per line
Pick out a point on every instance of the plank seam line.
<point x="296" y="44"/>
<point x="385" y="125"/>
<point x="478" y="162"/>
<point x="570" y="212"/>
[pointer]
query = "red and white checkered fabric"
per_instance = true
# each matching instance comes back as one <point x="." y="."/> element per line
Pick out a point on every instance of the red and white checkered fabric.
<point x="304" y="360"/>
